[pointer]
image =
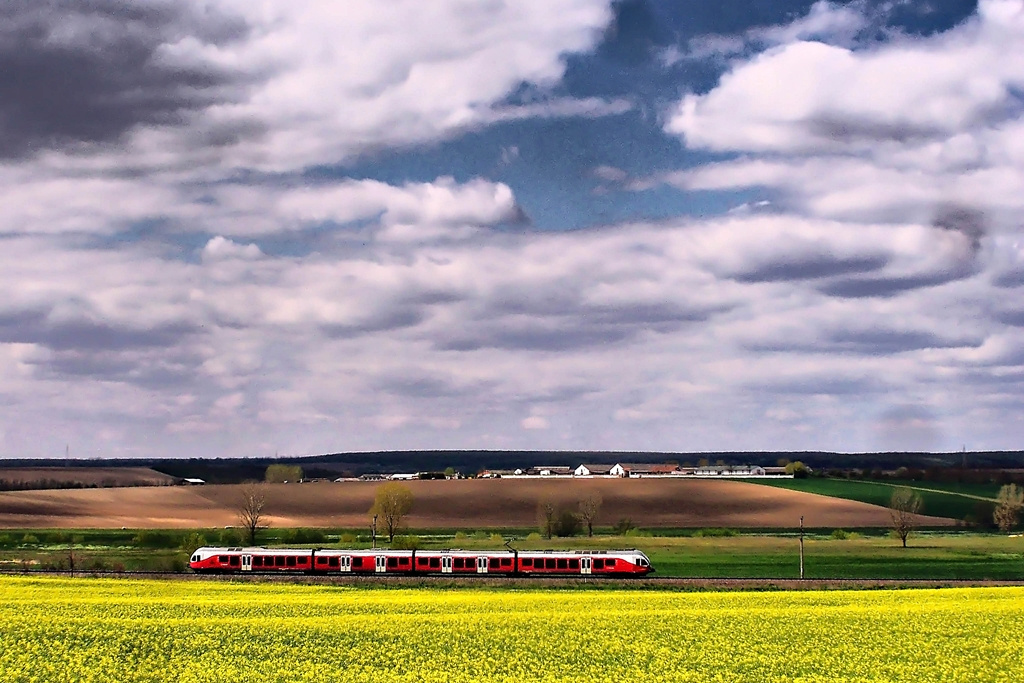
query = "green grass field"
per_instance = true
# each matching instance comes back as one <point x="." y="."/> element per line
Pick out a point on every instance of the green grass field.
<point x="930" y="555"/>
<point x="106" y="631"/>
<point x="955" y="501"/>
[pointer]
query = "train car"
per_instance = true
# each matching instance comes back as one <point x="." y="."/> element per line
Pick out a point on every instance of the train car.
<point x="613" y="563"/>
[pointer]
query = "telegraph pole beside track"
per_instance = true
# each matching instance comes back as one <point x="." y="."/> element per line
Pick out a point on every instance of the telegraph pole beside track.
<point x="801" y="546"/>
<point x="373" y="531"/>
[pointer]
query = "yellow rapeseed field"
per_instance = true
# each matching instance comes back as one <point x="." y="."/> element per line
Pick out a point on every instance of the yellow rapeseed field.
<point x="116" y="630"/>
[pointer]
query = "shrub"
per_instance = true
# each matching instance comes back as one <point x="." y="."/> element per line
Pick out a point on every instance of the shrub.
<point x="497" y="538"/>
<point x="460" y="536"/>
<point x="533" y="537"/>
<point x="567" y="524"/>
<point x="348" y="537"/>
<point x="229" y="537"/>
<point x="715" y="533"/>
<point x="155" y="539"/>
<point x="624" y="525"/>
<point x="840" y="535"/>
<point x="479" y="535"/>
<point x="192" y="541"/>
<point x="301" y="536"/>
<point x="29" y="539"/>
<point x="637" y="533"/>
<point x="406" y="543"/>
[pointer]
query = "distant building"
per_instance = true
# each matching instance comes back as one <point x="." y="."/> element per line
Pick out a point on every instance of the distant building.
<point x="192" y="481"/>
<point x="556" y="471"/>
<point x="730" y="471"/>
<point x="592" y="471"/>
<point x="637" y="469"/>
<point x="372" y="477"/>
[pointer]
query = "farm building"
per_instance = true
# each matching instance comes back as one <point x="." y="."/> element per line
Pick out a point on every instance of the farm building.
<point x="730" y="471"/>
<point x="633" y="469"/>
<point x="551" y="471"/>
<point x="593" y="471"/>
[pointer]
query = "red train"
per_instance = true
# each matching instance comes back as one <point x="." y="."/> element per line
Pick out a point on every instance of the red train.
<point x="621" y="563"/>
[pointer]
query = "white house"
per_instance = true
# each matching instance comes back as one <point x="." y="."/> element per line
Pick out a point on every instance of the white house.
<point x="730" y="471"/>
<point x="555" y="471"/>
<point x="636" y="469"/>
<point x="592" y="471"/>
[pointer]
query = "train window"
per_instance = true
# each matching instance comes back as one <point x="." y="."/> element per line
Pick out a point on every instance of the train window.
<point x="609" y="563"/>
<point x="549" y="564"/>
<point x="527" y="561"/>
<point x="222" y="559"/>
<point x="422" y="561"/>
<point x="290" y="560"/>
<point x="506" y="562"/>
<point x="574" y="564"/>
<point x="392" y="562"/>
<point x="257" y="561"/>
<point x="563" y="564"/>
<point x="404" y="561"/>
<point x="460" y="563"/>
<point x="333" y="562"/>
<point x="321" y="560"/>
<point x="357" y="563"/>
<point x="598" y="564"/>
<point x="435" y="562"/>
<point x="279" y="561"/>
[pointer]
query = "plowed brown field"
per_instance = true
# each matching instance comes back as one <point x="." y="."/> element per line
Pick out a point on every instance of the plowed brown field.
<point x="87" y="476"/>
<point x="465" y="504"/>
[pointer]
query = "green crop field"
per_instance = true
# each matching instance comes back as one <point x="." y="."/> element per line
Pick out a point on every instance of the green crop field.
<point x="700" y="553"/>
<point x="103" y="630"/>
<point x="955" y="501"/>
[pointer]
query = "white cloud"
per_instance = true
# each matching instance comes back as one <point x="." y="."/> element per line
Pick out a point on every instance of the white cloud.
<point x="825" y="21"/>
<point x="811" y="96"/>
<point x="327" y="84"/>
<point x="461" y="339"/>
<point x="223" y="248"/>
<point x="535" y="422"/>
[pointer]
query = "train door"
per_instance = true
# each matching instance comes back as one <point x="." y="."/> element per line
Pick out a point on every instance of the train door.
<point x="246" y="563"/>
<point x="446" y="564"/>
<point x="481" y="565"/>
<point x="382" y="563"/>
<point x="585" y="565"/>
<point x="346" y="563"/>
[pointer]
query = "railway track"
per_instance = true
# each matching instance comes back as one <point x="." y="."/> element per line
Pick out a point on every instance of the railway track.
<point x="662" y="582"/>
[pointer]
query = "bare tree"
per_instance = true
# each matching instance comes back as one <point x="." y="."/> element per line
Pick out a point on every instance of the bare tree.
<point x="1009" y="503"/>
<point x="904" y="506"/>
<point x="391" y="504"/>
<point x="590" y="507"/>
<point x="547" y="517"/>
<point x="250" y="510"/>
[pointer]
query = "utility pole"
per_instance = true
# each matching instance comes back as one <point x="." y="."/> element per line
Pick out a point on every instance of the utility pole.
<point x="801" y="546"/>
<point x="373" y="528"/>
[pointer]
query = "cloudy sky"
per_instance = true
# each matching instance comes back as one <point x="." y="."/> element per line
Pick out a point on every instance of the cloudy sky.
<point x="235" y="228"/>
